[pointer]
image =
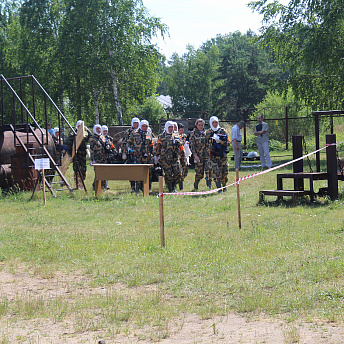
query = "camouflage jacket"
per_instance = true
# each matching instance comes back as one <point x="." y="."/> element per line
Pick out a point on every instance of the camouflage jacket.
<point x="168" y="146"/>
<point x="181" y="151"/>
<point x="211" y="144"/>
<point x="142" y="145"/>
<point x="197" y="144"/>
<point x="97" y="145"/>
<point x="127" y="134"/>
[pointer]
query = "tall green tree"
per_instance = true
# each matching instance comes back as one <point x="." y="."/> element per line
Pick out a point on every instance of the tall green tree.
<point x="245" y="72"/>
<point x="95" y="54"/>
<point x="111" y="51"/>
<point x="190" y="79"/>
<point x="306" y="37"/>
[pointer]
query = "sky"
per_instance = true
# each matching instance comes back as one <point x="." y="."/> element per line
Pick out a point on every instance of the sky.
<point x="195" y="21"/>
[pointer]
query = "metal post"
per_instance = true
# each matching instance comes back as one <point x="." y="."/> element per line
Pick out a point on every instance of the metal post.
<point x="286" y="128"/>
<point x="331" y="158"/>
<point x="21" y="97"/>
<point x="14" y="118"/>
<point x="2" y="101"/>
<point x="331" y="121"/>
<point x="33" y="99"/>
<point x="317" y="140"/>
<point x="244" y="118"/>
<point x="46" y="119"/>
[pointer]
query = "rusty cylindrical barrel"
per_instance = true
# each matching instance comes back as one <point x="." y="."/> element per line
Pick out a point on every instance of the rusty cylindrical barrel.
<point x="6" y="180"/>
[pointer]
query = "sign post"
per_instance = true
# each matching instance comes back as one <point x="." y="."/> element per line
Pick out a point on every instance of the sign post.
<point x="43" y="164"/>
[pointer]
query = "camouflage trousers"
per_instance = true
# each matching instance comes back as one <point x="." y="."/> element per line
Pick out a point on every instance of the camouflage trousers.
<point x="201" y="168"/>
<point x="82" y="168"/>
<point x="139" y="184"/>
<point x="185" y="169"/>
<point x="172" y="170"/>
<point x="218" y="169"/>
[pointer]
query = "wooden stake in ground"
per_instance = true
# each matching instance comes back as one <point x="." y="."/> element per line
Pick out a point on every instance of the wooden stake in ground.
<point x="41" y="165"/>
<point x="43" y="182"/>
<point x="161" y="210"/>
<point x="238" y="197"/>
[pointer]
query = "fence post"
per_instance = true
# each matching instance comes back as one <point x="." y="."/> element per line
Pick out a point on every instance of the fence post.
<point x="286" y="128"/>
<point x="2" y="102"/>
<point x="317" y="140"/>
<point x="244" y="118"/>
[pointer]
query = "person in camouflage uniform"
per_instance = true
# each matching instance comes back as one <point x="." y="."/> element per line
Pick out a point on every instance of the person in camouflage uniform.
<point x="199" y="152"/>
<point x="126" y="154"/>
<point x="97" y="146"/>
<point x="217" y="141"/>
<point x="141" y="143"/>
<point x="167" y="149"/>
<point x="110" y="149"/>
<point x="182" y="156"/>
<point x="81" y="154"/>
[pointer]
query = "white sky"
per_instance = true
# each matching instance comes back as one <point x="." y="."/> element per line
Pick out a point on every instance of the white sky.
<point x="195" y="21"/>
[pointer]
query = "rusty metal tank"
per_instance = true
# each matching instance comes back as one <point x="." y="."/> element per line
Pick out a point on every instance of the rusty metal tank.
<point x="6" y="180"/>
<point x="22" y="171"/>
<point x="7" y="146"/>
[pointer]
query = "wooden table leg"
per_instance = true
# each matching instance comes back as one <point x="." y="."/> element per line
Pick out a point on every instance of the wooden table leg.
<point x="261" y="197"/>
<point x="311" y="188"/>
<point x="146" y="182"/>
<point x="98" y="187"/>
<point x="279" y="187"/>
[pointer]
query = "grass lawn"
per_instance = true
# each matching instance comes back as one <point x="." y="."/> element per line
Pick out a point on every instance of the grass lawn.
<point x="284" y="262"/>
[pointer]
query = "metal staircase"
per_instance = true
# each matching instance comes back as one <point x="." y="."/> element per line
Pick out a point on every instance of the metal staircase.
<point x="29" y="138"/>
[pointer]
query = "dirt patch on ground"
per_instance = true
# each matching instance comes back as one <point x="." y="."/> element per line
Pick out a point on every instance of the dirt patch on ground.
<point x="20" y="284"/>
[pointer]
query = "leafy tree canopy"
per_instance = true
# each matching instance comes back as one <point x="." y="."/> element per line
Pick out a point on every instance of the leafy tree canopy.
<point x="306" y="37"/>
<point x="97" y="55"/>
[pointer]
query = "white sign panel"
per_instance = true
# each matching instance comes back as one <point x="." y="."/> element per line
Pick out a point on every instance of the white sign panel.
<point x="42" y="164"/>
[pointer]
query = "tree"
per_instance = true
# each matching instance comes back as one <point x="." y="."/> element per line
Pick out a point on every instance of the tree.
<point x="190" y="79"/>
<point x="306" y="37"/>
<point x="245" y="72"/>
<point x="226" y="72"/>
<point x="150" y="110"/>
<point x="97" y="54"/>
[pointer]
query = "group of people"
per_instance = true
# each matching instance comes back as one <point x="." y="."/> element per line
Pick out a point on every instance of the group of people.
<point x="172" y="149"/>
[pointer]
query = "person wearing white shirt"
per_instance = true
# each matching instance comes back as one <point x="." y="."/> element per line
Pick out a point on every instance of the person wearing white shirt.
<point x="262" y="133"/>
<point x="236" y="143"/>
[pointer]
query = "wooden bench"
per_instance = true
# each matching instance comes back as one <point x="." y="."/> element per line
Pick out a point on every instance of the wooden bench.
<point x="302" y="176"/>
<point x="135" y="172"/>
<point x="281" y="193"/>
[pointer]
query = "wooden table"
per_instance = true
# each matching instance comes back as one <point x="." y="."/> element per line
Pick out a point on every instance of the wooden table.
<point x="135" y="172"/>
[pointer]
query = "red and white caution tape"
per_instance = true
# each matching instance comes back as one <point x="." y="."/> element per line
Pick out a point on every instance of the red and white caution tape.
<point x="198" y="193"/>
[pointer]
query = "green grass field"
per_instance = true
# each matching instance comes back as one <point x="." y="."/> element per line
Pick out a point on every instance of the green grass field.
<point x="284" y="262"/>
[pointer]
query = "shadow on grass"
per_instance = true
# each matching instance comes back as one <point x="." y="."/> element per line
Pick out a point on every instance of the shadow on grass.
<point x="300" y="201"/>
